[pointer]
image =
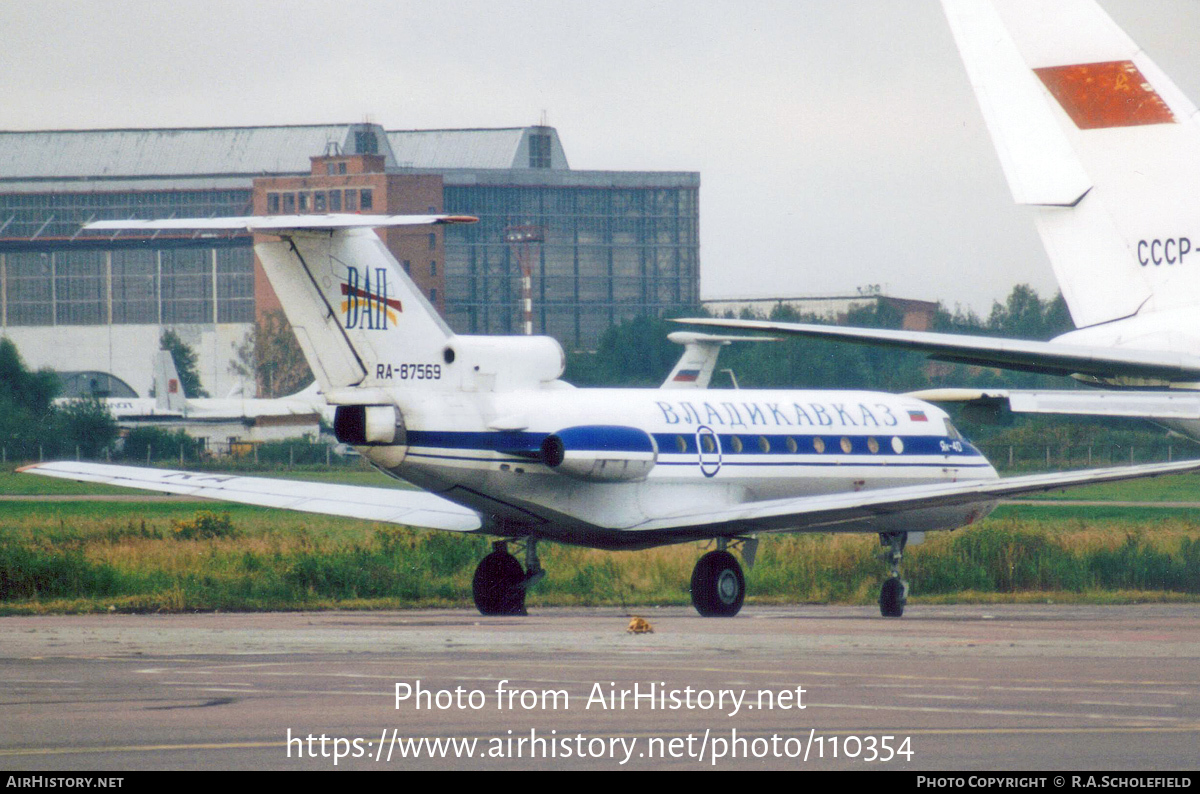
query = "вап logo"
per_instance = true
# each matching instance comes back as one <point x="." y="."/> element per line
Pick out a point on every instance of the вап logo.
<point x="368" y="305"/>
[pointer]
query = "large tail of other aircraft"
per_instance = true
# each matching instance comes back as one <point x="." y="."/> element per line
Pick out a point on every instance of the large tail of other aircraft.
<point x="1099" y="141"/>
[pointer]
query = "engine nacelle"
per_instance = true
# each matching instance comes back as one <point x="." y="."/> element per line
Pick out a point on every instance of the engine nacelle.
<point x="369" y="425"/>
<point x="497" y="363"/>
<point x="601" y="453"/>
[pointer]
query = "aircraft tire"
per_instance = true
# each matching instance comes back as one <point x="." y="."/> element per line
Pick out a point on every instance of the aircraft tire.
<point x="497" y="585"/>
<point x="718" y="586"/>
<point x="892" y="597"/>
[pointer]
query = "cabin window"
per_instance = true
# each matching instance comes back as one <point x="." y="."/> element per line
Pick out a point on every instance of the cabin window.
<point x="897" y="445"/>
<point x="818" y="444"/>
<point x="735" y="443"/>
<point x="764" y="444"/>
<point x="847" y="447"/>
<point x="791" y="445"/>
<point x="681" y="443"/>
<point x="873" y="445"/>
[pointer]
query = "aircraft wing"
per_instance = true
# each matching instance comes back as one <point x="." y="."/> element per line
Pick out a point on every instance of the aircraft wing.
<point x="1051" y="358"/>
<point x="389" y="505"/>
<point x="857" y="511"/>
<point x="1083" y="402"/>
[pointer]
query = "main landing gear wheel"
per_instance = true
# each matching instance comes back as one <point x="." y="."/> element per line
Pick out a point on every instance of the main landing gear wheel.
<point x="718" y="586"/>
<point x="892" y="597"/>
<point x="499" y="584"/>
<point x="894" y="594"/>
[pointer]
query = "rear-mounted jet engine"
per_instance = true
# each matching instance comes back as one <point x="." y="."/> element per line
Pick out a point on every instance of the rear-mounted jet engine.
<point x="601" y="453"/>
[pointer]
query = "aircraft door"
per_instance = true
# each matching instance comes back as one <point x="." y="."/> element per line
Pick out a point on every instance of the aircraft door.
<point x="708" y="445"/>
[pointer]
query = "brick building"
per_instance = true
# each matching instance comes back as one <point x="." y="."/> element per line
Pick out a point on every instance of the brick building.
<point x="613" y="244"/>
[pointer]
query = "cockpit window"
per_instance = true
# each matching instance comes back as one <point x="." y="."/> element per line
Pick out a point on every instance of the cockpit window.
<point x="952" y="431"/>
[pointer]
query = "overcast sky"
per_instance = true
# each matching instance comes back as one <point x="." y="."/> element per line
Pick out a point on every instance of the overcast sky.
<point x="838" y="141"/>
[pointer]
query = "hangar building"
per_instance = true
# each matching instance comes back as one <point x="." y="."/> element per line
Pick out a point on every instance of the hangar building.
<point x="608" y="245"/>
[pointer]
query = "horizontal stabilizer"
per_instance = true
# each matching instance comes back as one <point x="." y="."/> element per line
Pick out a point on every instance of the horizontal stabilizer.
<point x="278" y="223"/>
<point x="354" y="311"/>
<point x="388" y="505"/>
<point x="1051" y="358"/>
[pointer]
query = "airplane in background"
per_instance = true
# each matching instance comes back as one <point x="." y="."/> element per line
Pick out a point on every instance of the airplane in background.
<point x="501" y="446"/>
<point x="1105" y="150"/>
<point x="167" y="401"/>
<point x="170" y="402"/>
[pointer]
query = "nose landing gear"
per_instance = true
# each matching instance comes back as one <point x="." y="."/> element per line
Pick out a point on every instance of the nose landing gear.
<point x="894" y="594"/>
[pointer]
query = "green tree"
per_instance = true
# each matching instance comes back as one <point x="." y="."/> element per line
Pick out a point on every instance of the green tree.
<point x="1024" y="315"/>
<point x="632" y="353"/>
<point x="18" y="386"/>
<point x="185" y="363"/>
<point x="25" y="401"/>
<point x="279" y="364"/>
<point x="159" y="444"/>
<point x="87" y="425"/>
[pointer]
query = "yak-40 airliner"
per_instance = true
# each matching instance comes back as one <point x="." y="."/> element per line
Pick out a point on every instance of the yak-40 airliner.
<point x="1105" y="150"/>
<point x="500" y="445"/>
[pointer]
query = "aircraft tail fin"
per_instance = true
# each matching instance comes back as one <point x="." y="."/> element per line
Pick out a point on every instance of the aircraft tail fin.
<point x="696" y="365"/>
<point x="1099" y="141"/>
<point x="356" y="314"/>
<point x="358" y="317"/>
<point x="168" y="389"/>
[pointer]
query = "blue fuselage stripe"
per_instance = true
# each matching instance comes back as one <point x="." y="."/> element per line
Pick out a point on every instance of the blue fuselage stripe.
<point x="764" y="464"/>
<point x="527" y="445"/>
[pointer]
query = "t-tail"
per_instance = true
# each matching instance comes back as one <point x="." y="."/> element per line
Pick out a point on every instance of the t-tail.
<point x="1099" y="142"/>
<point x="358" y="317"/>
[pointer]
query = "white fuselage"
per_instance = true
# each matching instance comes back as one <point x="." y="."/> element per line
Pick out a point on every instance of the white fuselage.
<point x="674" y="453"/>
